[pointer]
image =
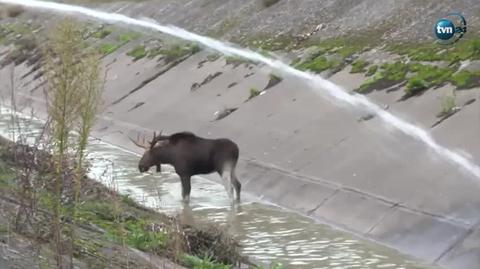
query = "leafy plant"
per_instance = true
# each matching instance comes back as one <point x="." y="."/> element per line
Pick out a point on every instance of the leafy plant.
<point x="448" y="104"/>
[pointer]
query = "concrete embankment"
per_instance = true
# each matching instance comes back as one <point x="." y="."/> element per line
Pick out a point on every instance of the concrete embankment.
<point x="299" y="150"/>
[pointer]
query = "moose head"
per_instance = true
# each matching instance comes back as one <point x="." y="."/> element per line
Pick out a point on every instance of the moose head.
<point x="149" y="157"/>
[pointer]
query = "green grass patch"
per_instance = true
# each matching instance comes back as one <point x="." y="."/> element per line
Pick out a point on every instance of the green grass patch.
<point x="138" y="52"/>
<point x="317" y="65"/>
<point x="127" y="37"/>
<point x="466" y="79"/>
<point x="426" y="76"/>
<point x="467" y="48"/>
<point x="107" y="48"/>
<point x="102" y="33"/>
<point x="372" y="70"/>
<point x="388" y="75"/>
<point x="179" y="50"/>
<point x="359" y="66"/>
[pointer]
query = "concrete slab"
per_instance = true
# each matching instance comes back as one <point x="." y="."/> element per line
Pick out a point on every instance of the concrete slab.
<point x="353" y="211"/>
<point x="417" y="234"/>
<point x="466" y="255"/>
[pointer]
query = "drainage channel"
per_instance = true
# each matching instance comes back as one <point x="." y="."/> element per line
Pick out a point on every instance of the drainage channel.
<point x="267" y="233"/>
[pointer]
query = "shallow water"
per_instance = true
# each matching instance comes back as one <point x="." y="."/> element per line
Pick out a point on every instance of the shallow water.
<point x="268" y="233"/>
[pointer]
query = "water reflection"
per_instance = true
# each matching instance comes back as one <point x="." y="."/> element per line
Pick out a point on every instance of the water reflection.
<point x="267" y="233"/>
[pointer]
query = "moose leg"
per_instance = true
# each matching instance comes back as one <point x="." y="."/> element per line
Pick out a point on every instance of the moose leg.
<point x="186" y="188"/>
<point x="159" y="168"/>
<point x="227" y="180"/>
<point x="236" y="184"/>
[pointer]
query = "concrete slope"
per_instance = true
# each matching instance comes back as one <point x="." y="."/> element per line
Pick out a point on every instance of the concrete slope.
<point x="304" y="152"/>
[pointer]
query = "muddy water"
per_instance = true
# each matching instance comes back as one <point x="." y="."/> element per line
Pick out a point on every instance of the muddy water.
<point x="268" y="233"/>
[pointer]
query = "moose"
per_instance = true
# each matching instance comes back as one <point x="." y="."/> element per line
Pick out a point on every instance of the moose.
<point x="192" y="155"/>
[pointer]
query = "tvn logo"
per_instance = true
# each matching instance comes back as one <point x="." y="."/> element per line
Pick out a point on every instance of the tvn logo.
<point x="450" y="29"/>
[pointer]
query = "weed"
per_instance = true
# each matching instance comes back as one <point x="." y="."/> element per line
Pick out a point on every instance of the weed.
<point x="269" y="3"/>
<point x="448" y="105"/>
<point x="254" y="92"/>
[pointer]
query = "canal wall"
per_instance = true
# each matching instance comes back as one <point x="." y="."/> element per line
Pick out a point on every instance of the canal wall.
<point x="300" y="150"/>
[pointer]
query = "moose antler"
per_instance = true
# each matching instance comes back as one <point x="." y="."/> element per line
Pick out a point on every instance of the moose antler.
<point x="137" y="143"/>
<point x="156" y="138"/>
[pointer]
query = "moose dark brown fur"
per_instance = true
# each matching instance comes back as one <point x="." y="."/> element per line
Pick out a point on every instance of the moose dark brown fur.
<point x="192" y="155"/>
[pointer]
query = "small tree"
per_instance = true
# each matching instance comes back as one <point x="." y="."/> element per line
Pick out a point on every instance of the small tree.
<point x="73" y="94"/>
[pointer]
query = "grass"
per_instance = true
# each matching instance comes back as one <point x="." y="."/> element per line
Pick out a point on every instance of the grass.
<point x="372" y="70"/>
<point x="107" y="48"/>
<point x="359" y="66"/>
<point x="465" y="79"/>
<point x="127" y="37"/>
<point x="254" y="92"/>
<point x="388" y="75"/>
<point x="179" y="50"/>
<point x="426" y="76"/>
<point x="319" y="64"/>
<point x="236" y="61"/>
<point x="102" y="33"/>
<point x="467" y="48"/>
<point x="205" y="263"/>
<point x="138" y="52"/>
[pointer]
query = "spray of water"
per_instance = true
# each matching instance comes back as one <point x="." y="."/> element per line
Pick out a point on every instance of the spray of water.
<point x="320" y="85"/>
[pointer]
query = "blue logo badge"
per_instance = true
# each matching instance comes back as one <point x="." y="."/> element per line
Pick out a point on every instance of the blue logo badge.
<point x="450" y="29"/>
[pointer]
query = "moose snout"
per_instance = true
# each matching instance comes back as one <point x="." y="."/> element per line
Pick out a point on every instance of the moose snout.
<point x="142" y="168"/>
